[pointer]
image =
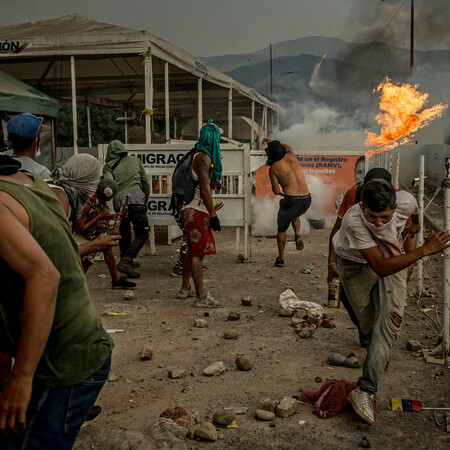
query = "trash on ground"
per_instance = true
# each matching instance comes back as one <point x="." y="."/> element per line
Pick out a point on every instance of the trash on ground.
<point x="306" y="271"/>
<point x="111" y="331"/>
<point x="108" y="314"/>
<point x="288" y="300"/>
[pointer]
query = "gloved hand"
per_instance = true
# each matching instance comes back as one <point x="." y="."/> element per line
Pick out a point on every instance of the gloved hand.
<point x="215" y="223"/>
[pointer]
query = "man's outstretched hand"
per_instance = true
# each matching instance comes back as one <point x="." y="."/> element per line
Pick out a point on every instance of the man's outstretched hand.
<point x="215" y="223"/>
<point x="436" y="242"/>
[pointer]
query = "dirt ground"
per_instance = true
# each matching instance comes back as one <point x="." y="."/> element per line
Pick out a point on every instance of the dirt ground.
<point x="283" y="363"/>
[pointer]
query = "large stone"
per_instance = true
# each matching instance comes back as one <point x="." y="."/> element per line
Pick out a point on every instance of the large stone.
<point x="176" y="373"/>
<point x="146" y="353"/>
<point x="268" y="404"/>
<point x="287" y="407"/>
<point x="262" y="414"/>
<point x="224" y="416"/>
<point x="413" y="345"/>
<point x="285" y="312"/>
<point x="336" y="359"/>
<point x="233" y="316"/>
<point x="206" y="430"/>
<point x="231" y="334"/>
<point x="200" y="323"/>
<point x="214" y="369"/>
<point x="243" y="363"/>
<point x="352" y="362"/>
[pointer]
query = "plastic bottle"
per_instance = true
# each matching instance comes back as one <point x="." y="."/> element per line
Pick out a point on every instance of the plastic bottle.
<point x="334" y="293"/>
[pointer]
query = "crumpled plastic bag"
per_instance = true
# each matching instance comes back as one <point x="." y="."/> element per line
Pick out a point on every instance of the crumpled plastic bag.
<point x="289" y="301"/>
<point x="330" y="399"/>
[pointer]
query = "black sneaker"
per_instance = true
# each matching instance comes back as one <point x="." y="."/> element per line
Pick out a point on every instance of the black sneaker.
<point x="134" y="264"/>
<point x="123" y="283"/>
<point x="95" y="411"/>
<point x="125" y="267"/>
<point x="279" y="262"/>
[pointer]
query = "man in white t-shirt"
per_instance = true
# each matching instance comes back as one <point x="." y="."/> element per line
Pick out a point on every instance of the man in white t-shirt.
<point x="24" y="133"/>
<point x="372" y="270"/>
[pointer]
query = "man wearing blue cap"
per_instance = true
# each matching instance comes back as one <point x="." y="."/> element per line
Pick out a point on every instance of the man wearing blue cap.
<point x="24" y="133"/>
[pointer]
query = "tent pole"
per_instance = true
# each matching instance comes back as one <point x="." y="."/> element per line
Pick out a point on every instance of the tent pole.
<point x="74" y="105"/>
<point x="166" y="100"/>
<point x="88" y="114"/>
<point x="200" y="106"/>
<point x="252" y="138"/>
<point x="148" y="97"/>
<point x="230" y="113"/>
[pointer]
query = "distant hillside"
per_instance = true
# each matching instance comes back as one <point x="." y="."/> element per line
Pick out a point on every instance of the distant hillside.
<point x="364" y="55"/>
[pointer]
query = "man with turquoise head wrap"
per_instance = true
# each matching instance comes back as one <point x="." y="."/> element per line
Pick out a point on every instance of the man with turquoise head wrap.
<point x="200" y="217"/>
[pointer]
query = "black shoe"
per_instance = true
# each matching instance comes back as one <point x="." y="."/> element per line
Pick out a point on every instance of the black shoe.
<point x="123" y="283"/>
<point x="279" y="262"/>
<point x="135" y="265"/>
<point x="125" y="267"/>
<point x="93" y="415"/>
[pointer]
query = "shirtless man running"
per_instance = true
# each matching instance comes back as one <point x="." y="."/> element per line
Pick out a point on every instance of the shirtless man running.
<point x="287" y="179"/>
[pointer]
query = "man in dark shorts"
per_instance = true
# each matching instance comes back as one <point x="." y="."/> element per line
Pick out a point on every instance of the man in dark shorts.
<point x="287" y="180"/>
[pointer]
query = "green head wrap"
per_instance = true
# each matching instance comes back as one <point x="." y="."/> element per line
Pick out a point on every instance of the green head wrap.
<point x="209" y="142"/>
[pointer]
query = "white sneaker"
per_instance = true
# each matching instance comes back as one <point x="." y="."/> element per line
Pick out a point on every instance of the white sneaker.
<point x="207" y="301"/>
<point x="362" y="403"/>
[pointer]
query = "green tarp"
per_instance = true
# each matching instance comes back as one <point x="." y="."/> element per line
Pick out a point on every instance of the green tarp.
<point x="17" y="97"/>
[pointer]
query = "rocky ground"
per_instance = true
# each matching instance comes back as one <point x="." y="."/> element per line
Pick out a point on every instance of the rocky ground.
<point x="282" y="364"/>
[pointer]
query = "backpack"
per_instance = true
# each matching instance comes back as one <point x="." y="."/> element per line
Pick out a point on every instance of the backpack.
<point x="183" y="185"/>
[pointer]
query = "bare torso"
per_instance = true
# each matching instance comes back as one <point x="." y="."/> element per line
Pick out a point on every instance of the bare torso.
<point x="288" y="174"/>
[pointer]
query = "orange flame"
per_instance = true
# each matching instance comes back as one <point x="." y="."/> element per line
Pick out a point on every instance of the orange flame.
<point x="401" y="116"/>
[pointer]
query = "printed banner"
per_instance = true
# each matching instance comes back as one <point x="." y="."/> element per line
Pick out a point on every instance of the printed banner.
<point x="14" y="46"/>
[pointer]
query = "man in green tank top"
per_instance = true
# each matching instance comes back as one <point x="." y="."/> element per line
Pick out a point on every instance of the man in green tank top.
<point x="48" y="322"/>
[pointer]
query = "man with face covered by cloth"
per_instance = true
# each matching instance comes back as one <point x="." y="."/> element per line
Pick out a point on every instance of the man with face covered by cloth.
<point x="287" y="180"/>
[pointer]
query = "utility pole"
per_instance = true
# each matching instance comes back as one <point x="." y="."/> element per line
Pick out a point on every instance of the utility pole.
<point x="411" y="52"/>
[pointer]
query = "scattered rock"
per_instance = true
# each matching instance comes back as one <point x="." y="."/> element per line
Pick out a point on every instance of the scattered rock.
<point x="306" y="330"/>
<point x="327" y="323"/>
<point x="214" y="369"/>
<point x="352" y="362"/>
<point x="200" y="323"/>
<point x="336" y="359"/>
<point x="314" y="320"/>
<point x="174" y="413"/>
<point x="243" y="363"/>
<point x="413" y="345"/>
<point x="263" y="414"/>
<point x="287" y="407"/>
<point x="297" y="320"/>
<point x="247" y="301"/>
<point x="268" y="404"/>
<point x="272" y="425"/>
<point x="365" y="442"/>
<point x="206" y="430"/>
<point x="176" y="373"/>
<point x="288" y="286"/>
<point x="146" y="353"/>
<point x="234" y="316"/>
<point x="285" y="313"/>
<point x="318" y="379"/>
<point x="224" y="416"/>
<point x="112" y="376"/>
<point x="129" y="295"/>
<point x="231" y="334"/>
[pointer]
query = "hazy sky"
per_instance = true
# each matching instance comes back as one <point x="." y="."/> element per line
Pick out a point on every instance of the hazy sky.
<point x="213" y="27"/>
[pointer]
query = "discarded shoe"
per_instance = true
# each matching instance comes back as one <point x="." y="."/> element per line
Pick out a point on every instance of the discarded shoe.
<point x="279" y="262"/>
<point x="123" y="283"/>
<point x="207" y="301"/>
<point x="363" y="404"/>
<point x="125" y="267"/>
<point x="185" y="293"/>
<point x="299" y="244"/>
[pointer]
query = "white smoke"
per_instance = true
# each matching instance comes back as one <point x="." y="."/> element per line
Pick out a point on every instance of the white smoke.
<point x="322" y="126"/>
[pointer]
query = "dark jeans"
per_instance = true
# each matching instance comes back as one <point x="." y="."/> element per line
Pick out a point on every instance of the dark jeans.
<point x="137" y="215"/>
<point x="55" y="415"/>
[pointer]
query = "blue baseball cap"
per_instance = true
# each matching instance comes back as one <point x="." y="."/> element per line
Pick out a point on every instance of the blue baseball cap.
<point x="26" y="125"/>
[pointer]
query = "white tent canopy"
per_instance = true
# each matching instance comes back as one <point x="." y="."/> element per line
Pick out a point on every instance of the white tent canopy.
<point x="74" y="58"/>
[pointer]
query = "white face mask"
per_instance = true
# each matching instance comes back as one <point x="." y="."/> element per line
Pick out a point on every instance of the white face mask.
<point x="373" y="228"/>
